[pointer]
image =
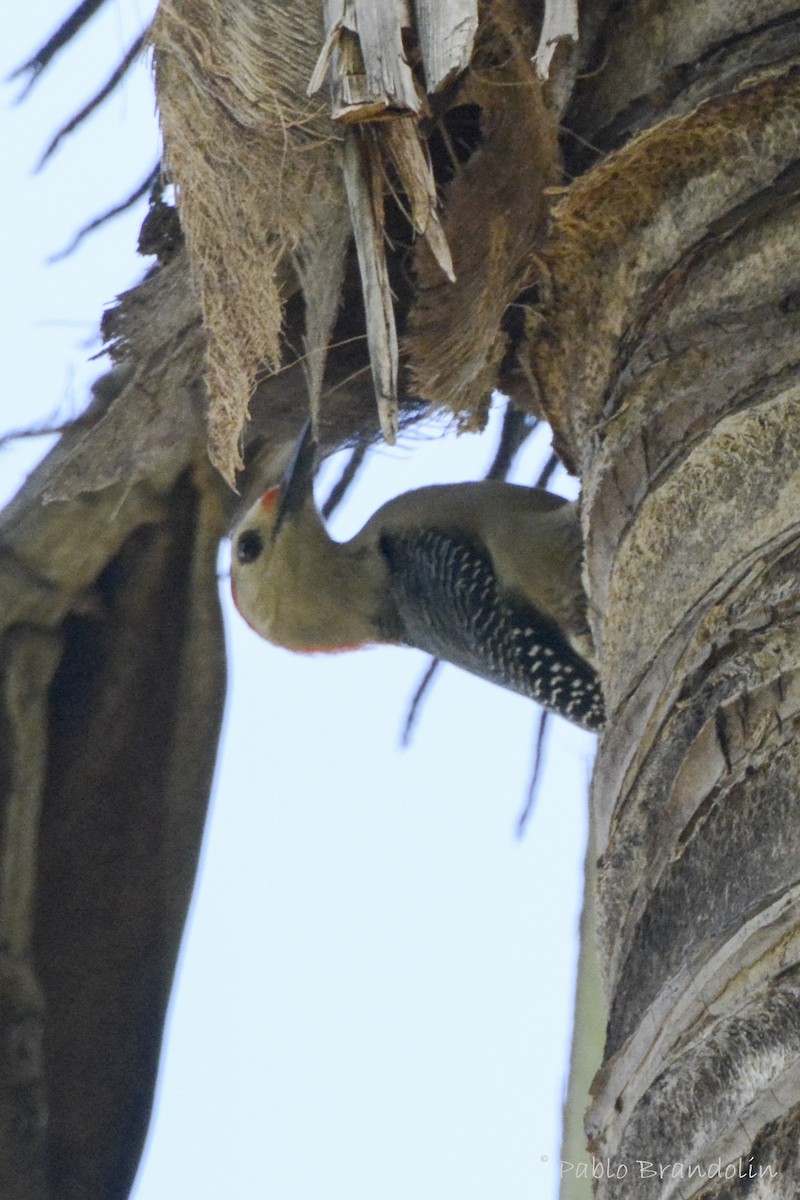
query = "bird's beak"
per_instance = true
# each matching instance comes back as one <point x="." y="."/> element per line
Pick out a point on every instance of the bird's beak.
<point x="298" y="479"/>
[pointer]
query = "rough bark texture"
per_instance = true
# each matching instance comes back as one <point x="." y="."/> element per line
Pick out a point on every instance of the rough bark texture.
<point x="667" y="352"/>
<point x="114" y="682"/>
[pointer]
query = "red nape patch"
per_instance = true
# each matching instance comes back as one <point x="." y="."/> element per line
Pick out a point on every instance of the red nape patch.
<point x="270" y="498"/>
<point x="329" y="649"/>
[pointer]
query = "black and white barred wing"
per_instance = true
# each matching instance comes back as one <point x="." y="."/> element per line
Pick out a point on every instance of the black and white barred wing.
<point x="449" y="604"/>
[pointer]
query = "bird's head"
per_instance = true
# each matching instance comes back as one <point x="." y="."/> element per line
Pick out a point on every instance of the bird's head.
<point x="266" y="541"/>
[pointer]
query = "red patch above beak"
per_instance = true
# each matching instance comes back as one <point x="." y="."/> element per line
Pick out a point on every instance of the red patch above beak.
<point x="270" y="498"/>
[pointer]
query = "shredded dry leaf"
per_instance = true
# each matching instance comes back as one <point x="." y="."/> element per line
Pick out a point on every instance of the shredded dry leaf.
<point x="247" y="149"/>
<point x="495" y="216"/>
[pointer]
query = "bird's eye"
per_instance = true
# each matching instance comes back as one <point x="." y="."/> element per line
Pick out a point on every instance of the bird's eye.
<point x="249" y="545"/>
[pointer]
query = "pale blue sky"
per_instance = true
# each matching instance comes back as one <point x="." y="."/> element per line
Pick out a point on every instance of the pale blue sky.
<point x="375" y="990"/>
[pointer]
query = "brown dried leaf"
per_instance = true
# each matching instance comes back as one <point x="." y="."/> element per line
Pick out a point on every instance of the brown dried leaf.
<point x="495" y="216"/>
<point x="246" y="149"/>
<point x="135" y="430"/>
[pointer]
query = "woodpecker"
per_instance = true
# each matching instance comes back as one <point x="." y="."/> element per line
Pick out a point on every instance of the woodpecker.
<point x="483" y="575"/>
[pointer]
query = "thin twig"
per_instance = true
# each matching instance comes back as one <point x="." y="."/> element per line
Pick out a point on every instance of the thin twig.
<point x="65" y="33"/>
<point x="108" y="87"/>
<point x="419" y="695"/>
<point x="546" y="471"/>
<point x="122" y="207"/>
<point x="14" y="435"/>
<point x="342" y="485"/>
<point x="517" y="426"/>
<point x="530" y="800"/>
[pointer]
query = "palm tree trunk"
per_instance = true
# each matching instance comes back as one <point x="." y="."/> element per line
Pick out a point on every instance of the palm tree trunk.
<point x="668" y="355"/>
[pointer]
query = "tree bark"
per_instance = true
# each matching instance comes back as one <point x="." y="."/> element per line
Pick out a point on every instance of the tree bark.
<point x="667" y="355"/>
<point x="114" y="682"/>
